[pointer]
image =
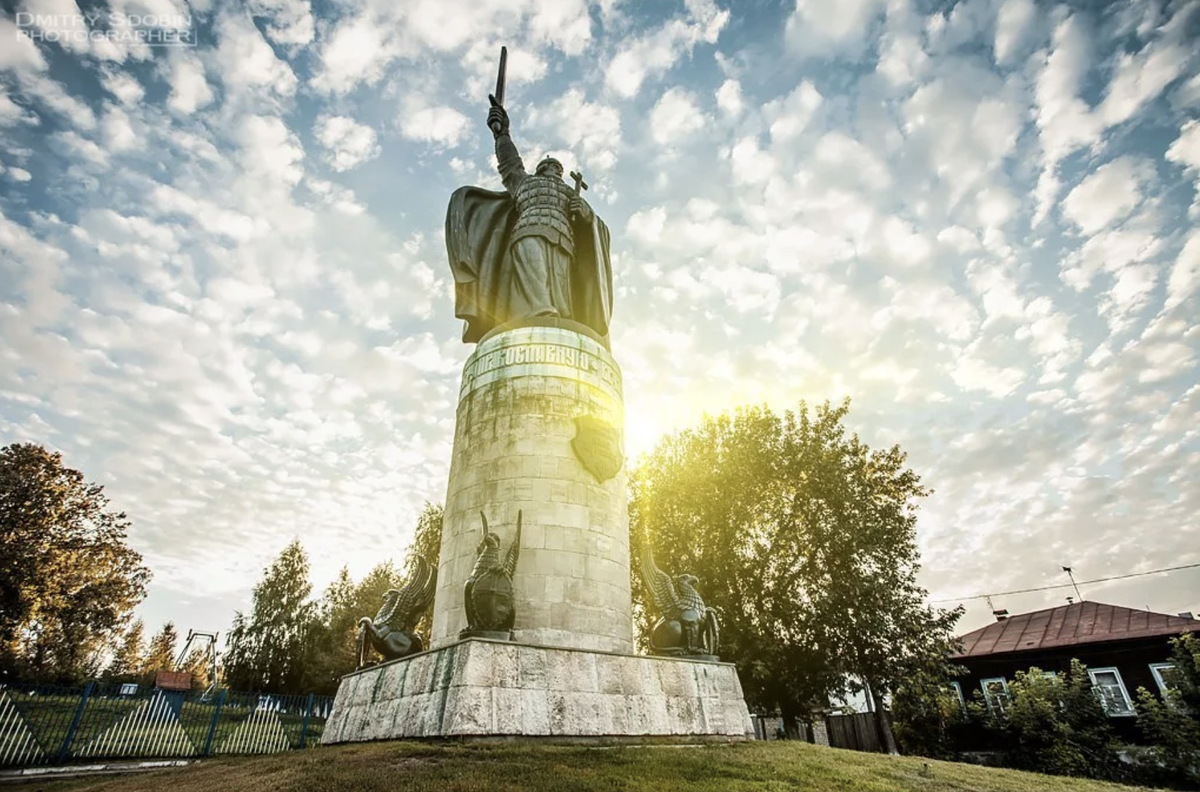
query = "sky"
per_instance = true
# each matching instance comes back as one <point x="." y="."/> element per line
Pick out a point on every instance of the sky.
<point x="224" y="292"/>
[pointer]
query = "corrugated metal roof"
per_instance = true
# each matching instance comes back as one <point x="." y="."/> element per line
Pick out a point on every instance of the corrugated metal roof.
<point x="1069" y="625"/>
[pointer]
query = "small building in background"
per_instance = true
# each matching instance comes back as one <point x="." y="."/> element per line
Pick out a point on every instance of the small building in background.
<point x="1123" y="649"/>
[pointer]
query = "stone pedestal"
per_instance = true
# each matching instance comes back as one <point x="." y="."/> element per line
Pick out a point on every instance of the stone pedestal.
<point x="477" y="688"/>
<point x="540" y="431"/>
<point x="524" y="394"/>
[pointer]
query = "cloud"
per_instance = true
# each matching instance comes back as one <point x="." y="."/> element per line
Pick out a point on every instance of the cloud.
<point x="190" y="90"/>
<point x="290" y="22"/>
<point x="591" y="129"/>
<point x="246" y="62"/>
<point x="1185" y="274"/>
<point x="1185" y="152"/>
<point x="656" y="52"/>
<point x="729" y="98"/>
<point x="1015" y="23"/>
<point x="227" y="298"/>
<point x="440" y="125"/>
<point x="1108" y="194"/>
<point x="675" y="116"/>
<point x="1064" y="120"/>
<point x="817" y="29"/>
<point x="1142" y="76"/>
<point x="349" y="143"/>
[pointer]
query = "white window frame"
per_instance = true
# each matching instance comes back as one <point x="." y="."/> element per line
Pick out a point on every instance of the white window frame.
<point x="1156" y="670"/>
<point x="1092" y="672"/>
<point x="987" y="696"/>
<point x="958" y="691"/>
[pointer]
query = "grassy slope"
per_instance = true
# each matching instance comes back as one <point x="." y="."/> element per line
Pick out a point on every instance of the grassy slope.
<point x="765" y="767"/>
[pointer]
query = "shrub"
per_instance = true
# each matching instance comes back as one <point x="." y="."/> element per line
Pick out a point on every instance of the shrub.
<point x="1172" y="724"/>
<point x="1056" y="724"/>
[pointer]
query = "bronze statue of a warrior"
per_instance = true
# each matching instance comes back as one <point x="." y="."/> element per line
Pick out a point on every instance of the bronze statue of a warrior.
<point x="686" y="627"/>
<point x="391" y="632"/>
<point x="488" y="592"/>
<point x="536" y="249"/>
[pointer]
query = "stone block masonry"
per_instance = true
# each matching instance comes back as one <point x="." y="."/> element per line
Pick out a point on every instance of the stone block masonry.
<point x="522" y="391"/>
<point x="483" y="688"/>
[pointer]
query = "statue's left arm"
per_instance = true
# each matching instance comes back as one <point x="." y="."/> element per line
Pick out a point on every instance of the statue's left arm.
<point x="580" y="211"/>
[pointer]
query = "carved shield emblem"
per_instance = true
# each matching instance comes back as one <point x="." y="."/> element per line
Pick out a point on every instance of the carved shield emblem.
<point x="597" y="444"/>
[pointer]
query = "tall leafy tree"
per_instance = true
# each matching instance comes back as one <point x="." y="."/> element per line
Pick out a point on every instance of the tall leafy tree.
<point x="68" y="580"/>
<point x="129" y="659"/>
<point x="160" y="656"/>
<point x="805" y="539"/>
<point x="267" y="647"/>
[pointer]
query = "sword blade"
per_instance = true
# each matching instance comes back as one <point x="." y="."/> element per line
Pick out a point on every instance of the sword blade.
<point x="500" y="75"/>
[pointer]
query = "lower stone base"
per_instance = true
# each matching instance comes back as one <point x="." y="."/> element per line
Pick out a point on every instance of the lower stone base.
<point x="477" y="688"/>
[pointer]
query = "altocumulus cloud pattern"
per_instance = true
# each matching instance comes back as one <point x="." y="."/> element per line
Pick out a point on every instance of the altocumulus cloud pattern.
<point x="225" y="294"/>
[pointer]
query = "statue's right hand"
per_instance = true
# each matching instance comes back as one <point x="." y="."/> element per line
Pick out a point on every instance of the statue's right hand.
<point x="497" y="119"/>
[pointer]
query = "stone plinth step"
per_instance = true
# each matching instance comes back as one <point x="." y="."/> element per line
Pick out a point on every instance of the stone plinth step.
<point x="476" y="688"/>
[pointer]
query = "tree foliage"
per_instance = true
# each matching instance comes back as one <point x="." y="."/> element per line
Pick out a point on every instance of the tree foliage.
<point x="1055" y="724"/>
<point x="289" y="643"/>
<point x="804" y="538"/>
<point x="267" y="647"/>
<point x="129" y="659"/>
<point x="160" y="655"/>
<point x="68" y="581"/>
<point x="1172" y="723"/>
<point x="927" y="712"/>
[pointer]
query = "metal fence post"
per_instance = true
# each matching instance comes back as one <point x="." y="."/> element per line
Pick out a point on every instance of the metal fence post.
<point x="212" y="727"/>
<point x="307" y="714"/>
<point x="65" y="749"/>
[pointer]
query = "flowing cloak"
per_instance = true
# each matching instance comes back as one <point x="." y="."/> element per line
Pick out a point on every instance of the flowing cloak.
<point x="478" y="226"/>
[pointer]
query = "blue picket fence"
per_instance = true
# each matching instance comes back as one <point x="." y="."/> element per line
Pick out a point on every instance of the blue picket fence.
<point x="41" y="724"/>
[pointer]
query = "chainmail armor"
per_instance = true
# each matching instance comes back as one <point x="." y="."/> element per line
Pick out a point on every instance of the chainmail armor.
<point x="541" y="200"/>
<point x="542" y="211"/>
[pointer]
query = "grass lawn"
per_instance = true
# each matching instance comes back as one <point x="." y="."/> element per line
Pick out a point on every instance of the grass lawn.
<point x="743" y="767"/>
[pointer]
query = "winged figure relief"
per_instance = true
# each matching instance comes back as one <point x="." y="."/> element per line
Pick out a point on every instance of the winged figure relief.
<point x="686" y="625"/>
<point x="391" y="631"/>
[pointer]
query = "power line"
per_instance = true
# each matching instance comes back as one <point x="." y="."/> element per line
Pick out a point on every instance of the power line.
<point x="1066" y="585"/>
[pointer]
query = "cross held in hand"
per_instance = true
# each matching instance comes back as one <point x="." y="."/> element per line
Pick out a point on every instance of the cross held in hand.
<point x="580" y="184"/>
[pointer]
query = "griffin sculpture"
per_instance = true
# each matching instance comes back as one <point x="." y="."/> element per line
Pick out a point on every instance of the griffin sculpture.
<point x="488" y="593"/>
<point x="686" y="626"/>
<point x="391" y="631"/>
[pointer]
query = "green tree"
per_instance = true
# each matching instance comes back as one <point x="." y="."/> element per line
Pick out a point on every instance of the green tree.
<point x="805" y="539"/>
<point x="160" y="655"/>
<point x="129" y="660"/>
<point x="1172" y="724"/>
<point x="268" y="648"/>
<point x="927" y="712"/>
<point x="68" y="581"/>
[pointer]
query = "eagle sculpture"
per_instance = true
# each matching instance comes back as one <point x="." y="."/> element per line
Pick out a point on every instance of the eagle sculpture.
<point x="488" y="592"/>
<point x="686" y="626"/>
<point x="391" y="631"/>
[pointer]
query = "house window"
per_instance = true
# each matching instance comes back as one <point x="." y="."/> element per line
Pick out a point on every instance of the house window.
<point x="995" y="693"/>
<point x="1111" y="690"/>
<point x="957" y="687"/>
<point x="1164" y="676"/>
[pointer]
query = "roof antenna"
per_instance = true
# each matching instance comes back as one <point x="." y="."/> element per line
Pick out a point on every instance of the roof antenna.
<point x="1067" y="569"/>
